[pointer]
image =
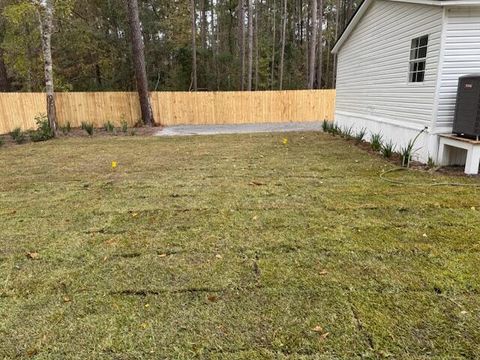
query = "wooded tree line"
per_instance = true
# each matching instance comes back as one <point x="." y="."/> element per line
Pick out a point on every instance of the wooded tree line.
<point x="237" y="44"/>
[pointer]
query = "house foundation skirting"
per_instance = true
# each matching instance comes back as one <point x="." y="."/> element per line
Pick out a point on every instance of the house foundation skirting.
<point x="399" y="133"/>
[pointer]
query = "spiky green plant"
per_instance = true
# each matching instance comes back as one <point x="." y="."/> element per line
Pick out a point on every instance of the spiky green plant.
<point x="88" y="127"/>
<point x="347" y="132"/>
<point x="388" y="149"/>
<point x="335" y="130"/>
<point x="124" y="125"/>
<point x="376" y="141"/>
<point x="109" y="127"/>
<point x="409" y="150"/>
<point x="325" y="125"/>
<point x="360" y="135"/>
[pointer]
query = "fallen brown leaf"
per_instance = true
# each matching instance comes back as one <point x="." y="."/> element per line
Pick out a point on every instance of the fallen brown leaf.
<point x="110" y="242"/>
<point x="162" y="255"/>
<point x="318" y="329"/>
<point x="32" y="352"/>
<point x="32" y="255"/>
<point x="323" y="272"/>
<point x="212" y="298"/>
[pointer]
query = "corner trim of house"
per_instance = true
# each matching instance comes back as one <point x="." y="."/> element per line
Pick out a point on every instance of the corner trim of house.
<point x="438" y="85"/>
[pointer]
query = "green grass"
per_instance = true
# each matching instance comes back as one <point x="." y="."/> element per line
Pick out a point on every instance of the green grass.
<point x="232" y="247"/>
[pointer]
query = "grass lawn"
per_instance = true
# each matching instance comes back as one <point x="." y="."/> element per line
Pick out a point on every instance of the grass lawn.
<point x="232" y="247"/>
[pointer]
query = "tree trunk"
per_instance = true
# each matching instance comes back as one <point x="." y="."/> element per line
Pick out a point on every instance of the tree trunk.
<point x="98" y="75"/>
<point x="241" y="41"/>
<point x="250" y="45"/>
<point x="320" y="45"/>
<point x="139" y="62"/>
<point x="204" y="24"/>
<point x="327" y="65"/>
<point x="313" y="44"/>
<point x="257" y="45"/>
<point x="194" y="46"/>
<point x="337" y="25"/>
<point x="46" y="29"/>
<point x="4" y="81"/>
<point x="215" y="38"/>
<point x="273" y="44"/>
<point x="284" y="34"/>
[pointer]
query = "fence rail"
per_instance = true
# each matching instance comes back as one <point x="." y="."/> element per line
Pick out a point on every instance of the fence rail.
<point x="170" y="108"/>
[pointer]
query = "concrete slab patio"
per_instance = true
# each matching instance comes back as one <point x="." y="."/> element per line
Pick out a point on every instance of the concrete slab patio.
<point x="189" y="130"/>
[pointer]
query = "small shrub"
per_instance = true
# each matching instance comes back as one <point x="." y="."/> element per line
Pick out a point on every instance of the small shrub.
<point x="360" y="135"/>
<point x="88" y="127"/>
<point x="407" y="152"/>
<point x="431" y="163"/>
<point x="44" y="132"/>
<point x="1" y="142"/>
<point x="347" y="133"/>
<point x="335" y="130"/>
<point x="18" y="135"/>
<point x="388" y="149"/>
<point x="124" y="125"/>
<point x="326" y="126"/>
<point x="108" y="126"/>
<point x="133" y="133"/>
<point x="376" y="142"/>
<point x="66" y="128"/>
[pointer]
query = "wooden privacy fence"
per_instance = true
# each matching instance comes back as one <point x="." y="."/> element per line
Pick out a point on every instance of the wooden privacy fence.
<point x="170" y="108"/>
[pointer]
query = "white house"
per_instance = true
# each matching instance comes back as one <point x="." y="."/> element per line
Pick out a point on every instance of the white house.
<point x="398" y="67"/>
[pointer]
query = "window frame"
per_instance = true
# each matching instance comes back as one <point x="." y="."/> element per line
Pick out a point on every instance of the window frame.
<point x="417" y="63"/>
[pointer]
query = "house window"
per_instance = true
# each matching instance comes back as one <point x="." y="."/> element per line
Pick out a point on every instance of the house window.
<point x="418" y="59"/>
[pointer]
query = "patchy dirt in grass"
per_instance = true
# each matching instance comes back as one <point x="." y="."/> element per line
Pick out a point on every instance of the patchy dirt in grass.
<point x="232" y="247"/>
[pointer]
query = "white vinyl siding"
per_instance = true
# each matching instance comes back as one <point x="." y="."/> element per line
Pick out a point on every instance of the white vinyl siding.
<point x="461" y="56"/>
<point x="373" y="64"/>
